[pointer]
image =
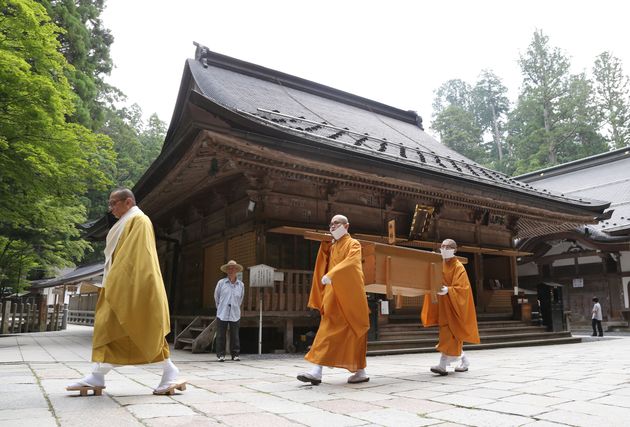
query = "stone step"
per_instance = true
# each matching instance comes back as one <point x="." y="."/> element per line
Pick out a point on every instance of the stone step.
<point x="485" y="339"/>
<point x="482" y="346"/>
<point x="414" y="316"/>
<point x="424" y="332"/>
<point x="480" y="325"/>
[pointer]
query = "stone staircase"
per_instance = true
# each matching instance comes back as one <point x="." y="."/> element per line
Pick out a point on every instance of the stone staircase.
<point x="405" y="334"/>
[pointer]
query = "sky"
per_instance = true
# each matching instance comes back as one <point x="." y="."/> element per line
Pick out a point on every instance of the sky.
<point x="396" y="52"/>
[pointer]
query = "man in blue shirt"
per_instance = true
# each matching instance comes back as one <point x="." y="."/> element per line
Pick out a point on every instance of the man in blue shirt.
<point x="228" y="296"/>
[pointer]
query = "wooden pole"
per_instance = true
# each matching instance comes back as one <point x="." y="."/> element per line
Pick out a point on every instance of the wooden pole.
<point x="260" y="324"/>
<point x="29" y="317"/>
<point x="14" y="310"/>
<point x="42" y="314"/>
<point x="6" y="312"/>
<point x="21" y="318"/>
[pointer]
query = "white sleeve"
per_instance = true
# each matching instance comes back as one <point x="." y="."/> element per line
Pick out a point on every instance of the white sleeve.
<point x="217" y="293"/>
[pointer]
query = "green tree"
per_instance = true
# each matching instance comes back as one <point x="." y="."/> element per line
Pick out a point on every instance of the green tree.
<point x="457" y="130"/>
<point x="85" y="44"/>
<point x="453" y="92"/>
<point x="553" y="121"/>
<point x="491" y="105"/>
<point x="152" y="139"/>
<point x="46" y="163"/>
<point x="613" y="97"/>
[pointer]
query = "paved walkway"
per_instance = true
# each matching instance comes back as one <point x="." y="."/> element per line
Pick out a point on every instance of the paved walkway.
<point x="585" y="384"/>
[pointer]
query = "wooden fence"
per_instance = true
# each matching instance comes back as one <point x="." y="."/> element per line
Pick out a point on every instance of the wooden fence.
<point x="81" y="309"/>
<point x="31" y="315"/>
<point x="289" y="295"/>
<point x="81" y="317"/>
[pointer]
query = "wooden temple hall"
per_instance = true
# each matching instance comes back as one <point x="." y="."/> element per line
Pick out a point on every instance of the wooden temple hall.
<point x="254" y="158"/>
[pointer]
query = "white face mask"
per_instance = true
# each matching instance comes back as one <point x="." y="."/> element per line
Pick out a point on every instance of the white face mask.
<point x="447" y="253"/>
<point x="339" y="232"/>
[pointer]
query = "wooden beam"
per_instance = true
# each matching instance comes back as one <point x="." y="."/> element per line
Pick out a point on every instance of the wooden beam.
<point x="313" y="233"/>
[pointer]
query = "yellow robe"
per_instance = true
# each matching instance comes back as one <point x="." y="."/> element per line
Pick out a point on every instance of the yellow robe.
<point x="341" y="339"/>
<point x="132" y="316"/>
<point x="454" y="313"/>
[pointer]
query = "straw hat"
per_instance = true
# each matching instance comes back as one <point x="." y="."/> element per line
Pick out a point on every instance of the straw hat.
<point x="238" y="266"/>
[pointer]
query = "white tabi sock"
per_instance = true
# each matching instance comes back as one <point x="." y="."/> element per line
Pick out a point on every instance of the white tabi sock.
<point x="96" y="378"/>
<point x="169" y="374"/>
<point x="317" y="371"/>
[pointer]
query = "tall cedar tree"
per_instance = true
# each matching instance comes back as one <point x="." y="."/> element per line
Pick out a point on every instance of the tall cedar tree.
<point x="553" y="121"/>
<point x="85" y="44"/>
<point x="612" y="88"/>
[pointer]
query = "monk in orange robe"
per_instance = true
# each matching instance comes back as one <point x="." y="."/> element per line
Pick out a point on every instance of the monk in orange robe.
<point x="454" y="313"/>
<point x="338" y="292"/>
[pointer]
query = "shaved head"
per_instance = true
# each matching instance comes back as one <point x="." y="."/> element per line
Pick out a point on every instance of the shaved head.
<point x="449" y="243"/>
<point x="124" y="193"/>
<point x="340" y="219"/>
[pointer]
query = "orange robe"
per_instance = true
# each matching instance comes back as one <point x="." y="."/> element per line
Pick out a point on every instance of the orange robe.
<point x="132" y="316"/>
<point x="454" y="313"/>
<point x="341" y="339"/>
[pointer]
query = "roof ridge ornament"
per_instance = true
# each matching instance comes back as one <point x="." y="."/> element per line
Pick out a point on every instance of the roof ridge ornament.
<point x="418" y="119"/>
<point x="201" y="54"/>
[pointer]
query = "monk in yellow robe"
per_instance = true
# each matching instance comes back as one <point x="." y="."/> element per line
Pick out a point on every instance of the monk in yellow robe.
<point x="338" y="292"/>
<point x="454" y="313"/>
<point x="132" y="316"/>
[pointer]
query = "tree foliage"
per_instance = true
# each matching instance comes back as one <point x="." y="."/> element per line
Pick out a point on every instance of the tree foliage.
<point x="558" y="116"/>
<point x="471" y="120"/>
<point x="612" y="89"/>
<point x="46" y="163"/>
<point x="491" y="105"/>
<point x="85" y="44"/>
<point x="458" y="130"/>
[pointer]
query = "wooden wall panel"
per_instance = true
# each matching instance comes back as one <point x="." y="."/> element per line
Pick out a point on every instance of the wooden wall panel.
<point x="214" y="258"/>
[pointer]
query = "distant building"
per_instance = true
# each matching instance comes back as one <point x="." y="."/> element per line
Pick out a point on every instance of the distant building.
<point x="592" y="259"/>
<point x="72" y="281"/>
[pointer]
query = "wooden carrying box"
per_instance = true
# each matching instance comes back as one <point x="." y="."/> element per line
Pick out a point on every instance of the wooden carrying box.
<point x="396" y="270"/>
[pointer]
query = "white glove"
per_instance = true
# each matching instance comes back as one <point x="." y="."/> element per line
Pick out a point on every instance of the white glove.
<point x="326" y="280"/>
<point x="443" y="290"/>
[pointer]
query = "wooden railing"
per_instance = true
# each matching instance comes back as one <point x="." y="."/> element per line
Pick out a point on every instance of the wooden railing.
<point x="31" y="315"/>
<point x="81" y="317"/>
<point x="290" y="295"/>
<point x="81" y="309"/>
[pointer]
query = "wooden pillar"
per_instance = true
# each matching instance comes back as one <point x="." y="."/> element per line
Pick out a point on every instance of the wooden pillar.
<point x="14" y="315"/>
<point x="479" y="278"/>
<point x="288" y="336"/>
<point x="514" y="272"/>
<point x="6" y="314"/>
<point x="29" y="317"/>
<point x="42" y="313"/>
<point x="21" y="328"/>
<point x="55" y="314"/>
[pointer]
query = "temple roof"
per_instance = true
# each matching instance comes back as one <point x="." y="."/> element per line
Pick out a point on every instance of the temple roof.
<point x="79" y="274"/>
<point x="329" y="118"/>
<point x="604" y="176"/>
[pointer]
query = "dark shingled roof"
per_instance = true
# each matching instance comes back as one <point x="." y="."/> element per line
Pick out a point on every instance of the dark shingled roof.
<point x="604" y="176"/>
<point x="329" y="117"/>
<point x="77" y="275"/>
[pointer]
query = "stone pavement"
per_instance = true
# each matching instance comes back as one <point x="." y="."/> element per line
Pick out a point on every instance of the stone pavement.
<point x="586" y="384"/>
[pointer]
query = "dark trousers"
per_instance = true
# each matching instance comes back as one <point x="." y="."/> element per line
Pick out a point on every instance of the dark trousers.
<point x="235" y="342"/>
<point x="597" y="324"/>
